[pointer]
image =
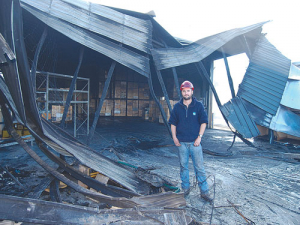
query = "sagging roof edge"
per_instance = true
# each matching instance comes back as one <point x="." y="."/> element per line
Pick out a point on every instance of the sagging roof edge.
<point x="122" y="55"/>
<point x="171" y="57"/>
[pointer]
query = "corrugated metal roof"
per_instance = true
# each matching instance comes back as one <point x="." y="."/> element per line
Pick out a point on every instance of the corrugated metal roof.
<point x="125" y="29"/>
<point x="91" y="40"/>
<point x="195" y="52"/>
<point x="237" y="115"/>
<point x="266" y="77"/>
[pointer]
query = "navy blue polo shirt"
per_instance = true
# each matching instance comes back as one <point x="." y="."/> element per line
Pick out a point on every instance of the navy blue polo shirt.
<point x="188" y="120"/>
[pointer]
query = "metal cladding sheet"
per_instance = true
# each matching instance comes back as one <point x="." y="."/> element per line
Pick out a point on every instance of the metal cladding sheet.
<point x="113" y="15"/>
<point x="259" y="116"/>
<point x="45" y="212"/>
<point x="294" y="72"/>
<point x="171" y="57"/>
<point x="291" y="94"/>
<point x="237" y="115"/>
<point x="266" y="76"/>
<point x="167" y="199"/>
<point x="286" y="121"/>
<point x="109" y="23"/>
<point x="94" y="160"/>
<point x="91" y="40"/>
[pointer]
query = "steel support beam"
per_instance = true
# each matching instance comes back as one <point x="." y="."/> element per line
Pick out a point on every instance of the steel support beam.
<point x="158" y="103"/>
<point x="176" y="82"/>
<point x="200" y="67"/>
<point x="163" y="87"/>
<point x="228" y="73"/>
<point x="36" y="57"/>
<point x="174" y="74"/>
<point x="71" y="90"/>
<point x="104" y="92"/>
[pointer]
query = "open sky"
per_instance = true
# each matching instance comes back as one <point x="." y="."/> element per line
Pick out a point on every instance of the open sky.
<point x="196" y="19"/>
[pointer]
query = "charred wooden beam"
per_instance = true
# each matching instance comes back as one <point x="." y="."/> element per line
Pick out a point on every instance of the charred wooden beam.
<point x="104" y="92"/>
<point x="228" y="73"/>
<point x="72" y="88"/>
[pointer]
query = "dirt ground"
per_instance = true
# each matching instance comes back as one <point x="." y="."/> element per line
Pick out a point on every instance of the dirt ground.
<point x="262" y="183"/>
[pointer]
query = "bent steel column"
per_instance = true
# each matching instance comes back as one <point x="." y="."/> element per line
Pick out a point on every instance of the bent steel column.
<point x="97" y="113"/>
<point x="176" y="82"/>
<point x="200" y="67"/>
<point x="36" y="57"/>
<point x="228" y="74"/>
<point x="71" y="90"/>
<point x="174" y="74"/>
<point x="158" y="103"/>
<point x="163" y="87"/>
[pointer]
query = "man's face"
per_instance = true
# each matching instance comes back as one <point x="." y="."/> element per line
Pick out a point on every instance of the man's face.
<point x="187" y="93"/>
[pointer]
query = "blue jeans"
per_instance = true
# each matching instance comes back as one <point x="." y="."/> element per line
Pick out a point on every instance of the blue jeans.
<point x="184" y="151"/>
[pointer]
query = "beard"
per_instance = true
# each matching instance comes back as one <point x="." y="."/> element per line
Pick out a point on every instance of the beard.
<point x="187" y="97"/>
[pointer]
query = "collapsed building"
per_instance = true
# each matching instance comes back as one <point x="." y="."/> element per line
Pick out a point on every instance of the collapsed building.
<point x="75" y="60"/>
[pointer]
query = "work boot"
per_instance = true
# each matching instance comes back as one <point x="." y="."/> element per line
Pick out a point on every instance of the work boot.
<point x="206" y="197"/>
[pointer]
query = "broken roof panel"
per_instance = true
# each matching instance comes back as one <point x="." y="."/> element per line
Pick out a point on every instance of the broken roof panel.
<point x="91" y="40"/>
<point x="266" y="77"/>
<point x="138" y="35"/>
<point x="195" y="52"/>
<point x="237" y="115"/>
<point x="106" y="12"/>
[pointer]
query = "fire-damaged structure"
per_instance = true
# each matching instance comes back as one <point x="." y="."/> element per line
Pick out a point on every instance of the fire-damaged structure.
<point x="134" y="66"/>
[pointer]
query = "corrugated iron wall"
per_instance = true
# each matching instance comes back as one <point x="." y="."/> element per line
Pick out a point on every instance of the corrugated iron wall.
<point x="266" y="77"/>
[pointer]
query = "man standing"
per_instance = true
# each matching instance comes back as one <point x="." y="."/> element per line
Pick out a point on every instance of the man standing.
<point x="188" y="122"/>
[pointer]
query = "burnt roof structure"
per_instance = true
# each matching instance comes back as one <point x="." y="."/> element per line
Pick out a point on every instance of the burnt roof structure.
<point x="129" y="41"/>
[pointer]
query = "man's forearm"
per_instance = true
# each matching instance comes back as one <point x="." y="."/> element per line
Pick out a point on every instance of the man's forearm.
<point x="173" y="130"/>
<point x="202" y="128"/>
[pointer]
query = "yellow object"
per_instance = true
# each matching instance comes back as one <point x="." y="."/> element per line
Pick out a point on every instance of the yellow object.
<point x="26" y="132"/>
<point x="5" y="134"/>
<point x="19" y="132"/>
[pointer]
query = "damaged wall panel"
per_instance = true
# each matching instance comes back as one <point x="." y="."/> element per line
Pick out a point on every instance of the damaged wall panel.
<point x="237" y="115"/>
<point x="266" y="77"/>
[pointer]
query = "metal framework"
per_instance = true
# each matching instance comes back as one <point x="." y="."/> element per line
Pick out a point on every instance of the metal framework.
<point x="50" y="91"/>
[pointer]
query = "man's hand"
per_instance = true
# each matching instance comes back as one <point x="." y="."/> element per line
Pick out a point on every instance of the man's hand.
<point x="197" y="141"/>
<point x="176" y="142"/>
